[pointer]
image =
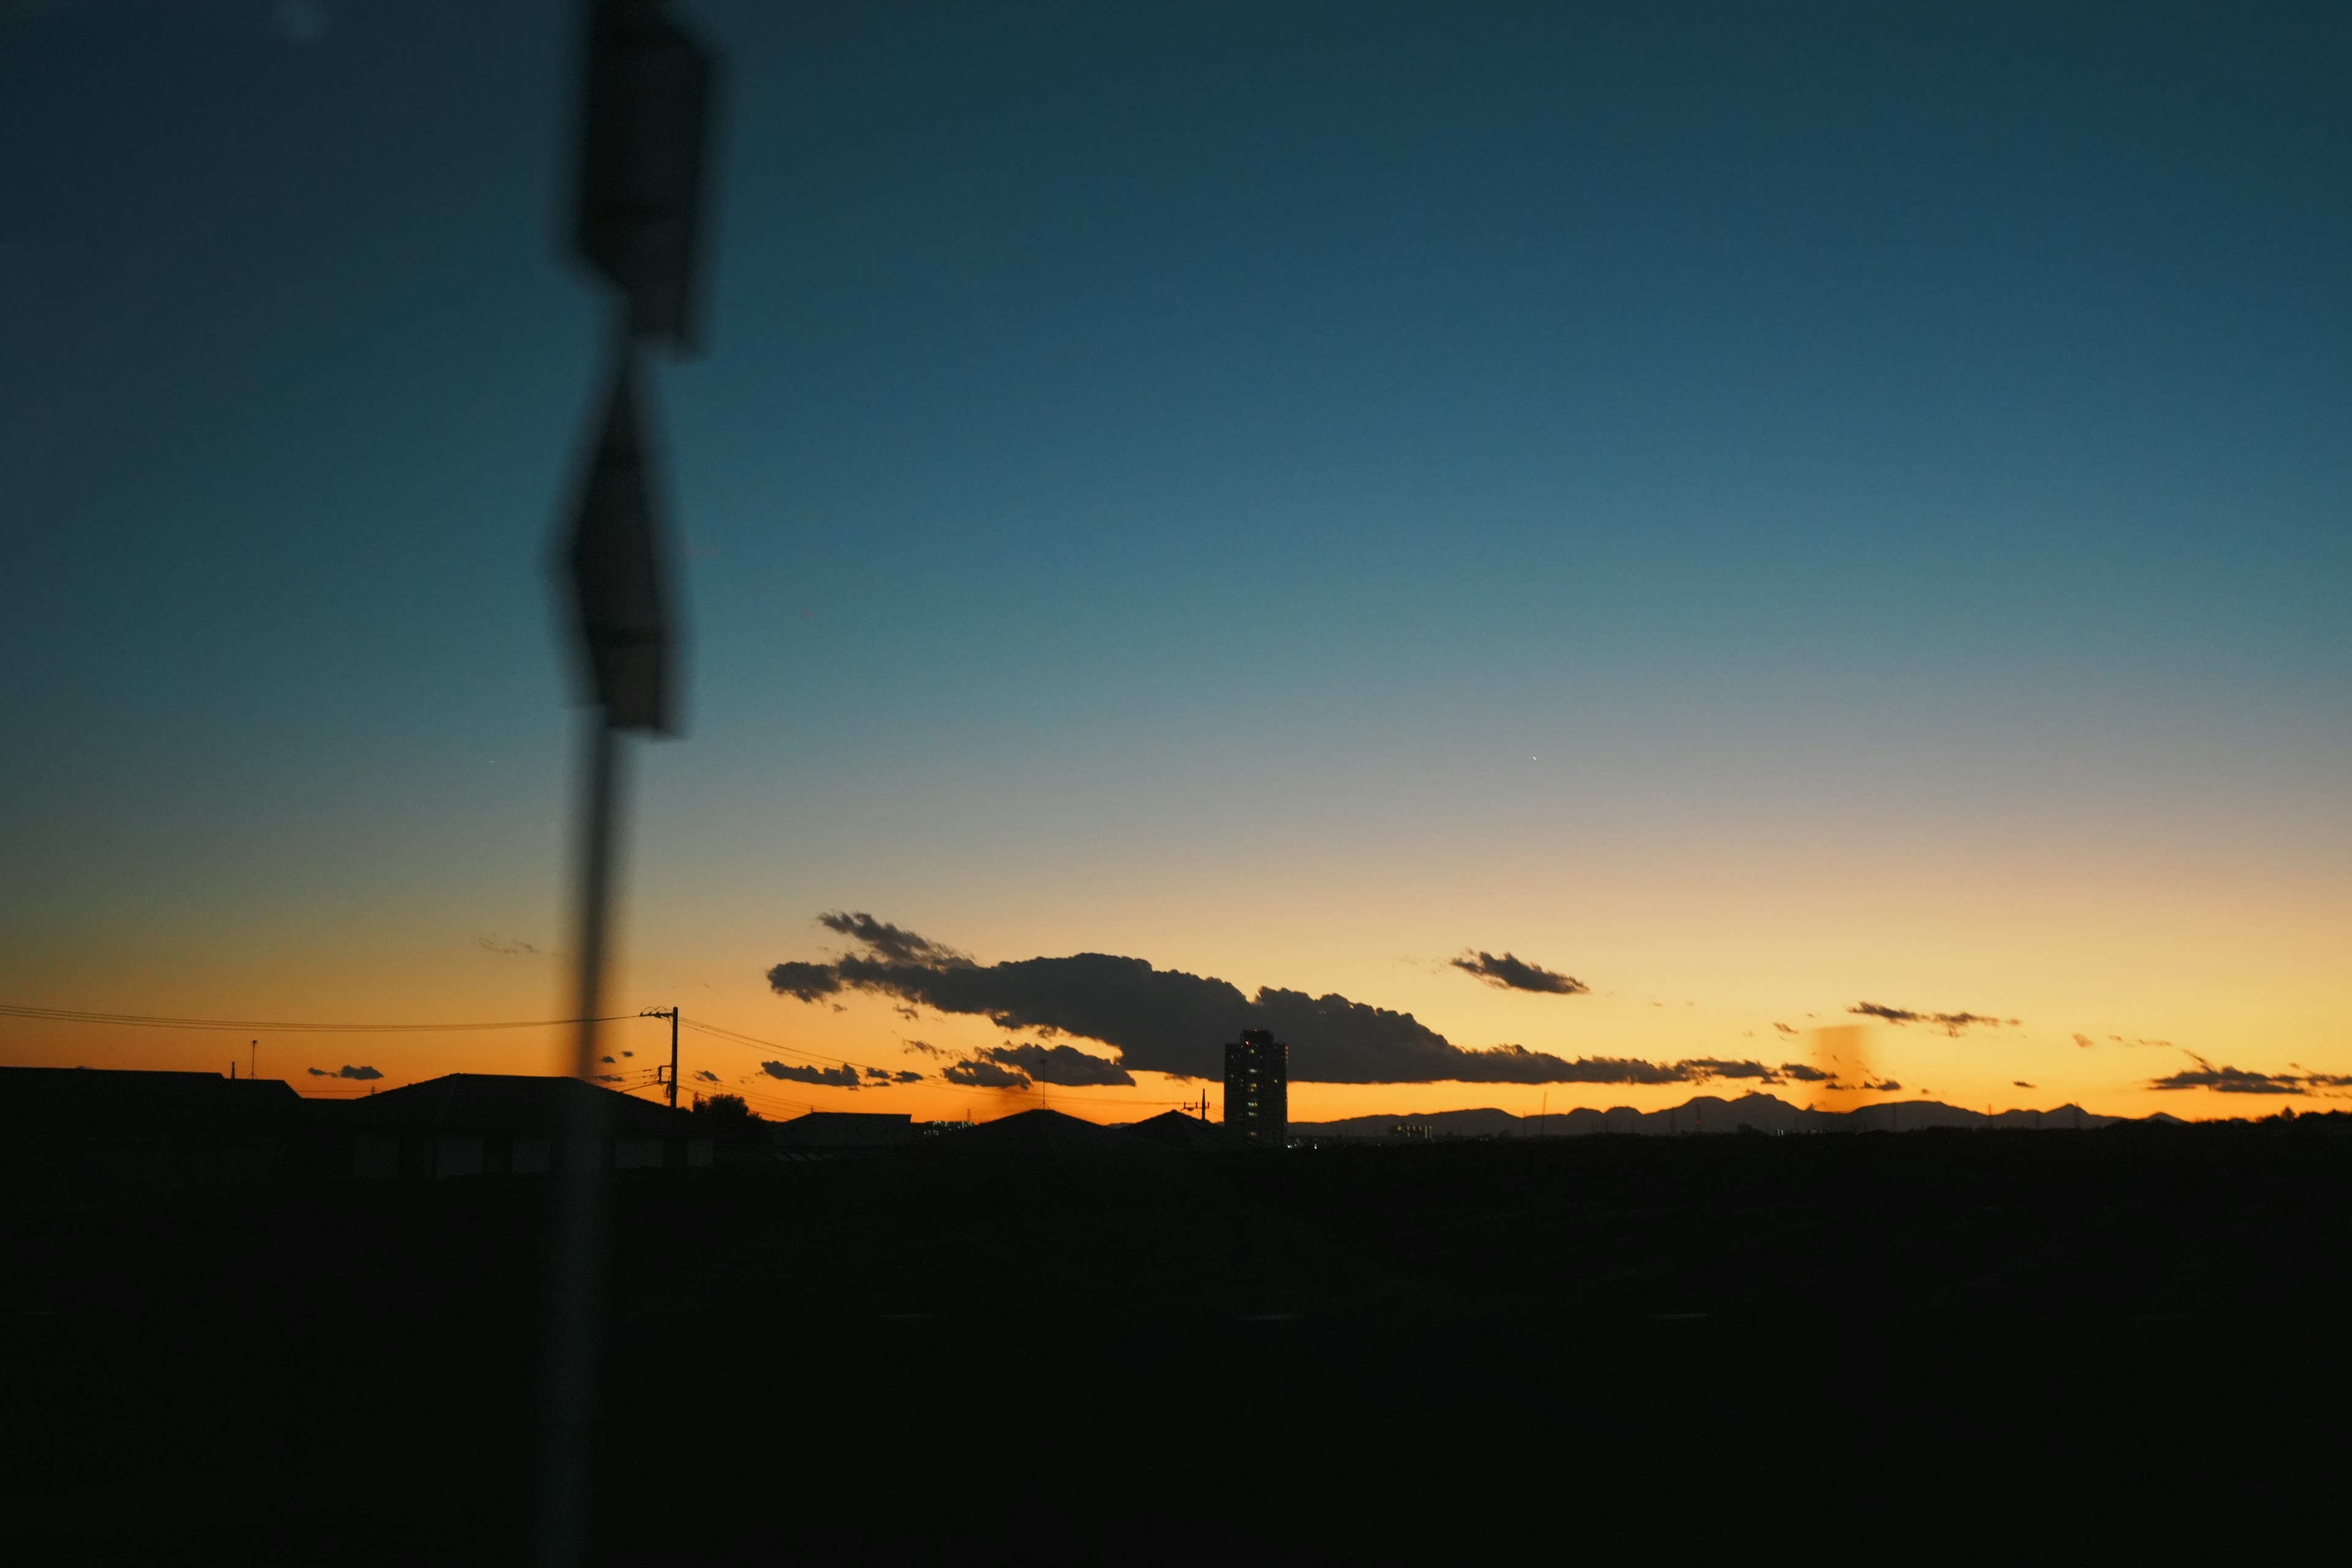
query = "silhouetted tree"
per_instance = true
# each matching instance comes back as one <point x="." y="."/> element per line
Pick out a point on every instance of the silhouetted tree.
<point x="725" y="1112"/>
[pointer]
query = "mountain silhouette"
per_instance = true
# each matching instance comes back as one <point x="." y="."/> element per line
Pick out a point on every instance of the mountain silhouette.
<point x="1702" y="1114"/>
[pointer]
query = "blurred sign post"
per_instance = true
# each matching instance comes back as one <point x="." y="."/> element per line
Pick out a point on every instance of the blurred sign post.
<point x="645" y="130"/>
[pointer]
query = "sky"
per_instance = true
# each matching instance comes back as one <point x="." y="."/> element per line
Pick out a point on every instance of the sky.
<point x="1759" y="511"/>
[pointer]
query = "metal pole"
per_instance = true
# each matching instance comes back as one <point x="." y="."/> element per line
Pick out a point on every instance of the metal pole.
<point x="673" y="1057"/>
<point x="577" y="1273"/>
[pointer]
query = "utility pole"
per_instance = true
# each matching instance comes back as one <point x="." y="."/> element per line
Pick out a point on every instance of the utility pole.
<point x="671" y="1014"/>
<point x="645" y="113"/>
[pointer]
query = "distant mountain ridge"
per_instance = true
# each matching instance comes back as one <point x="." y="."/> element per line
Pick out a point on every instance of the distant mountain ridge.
<point x="1704" y="1113"/>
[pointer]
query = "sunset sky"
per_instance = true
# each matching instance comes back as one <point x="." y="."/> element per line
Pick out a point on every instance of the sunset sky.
<point x="1761" y="510"/>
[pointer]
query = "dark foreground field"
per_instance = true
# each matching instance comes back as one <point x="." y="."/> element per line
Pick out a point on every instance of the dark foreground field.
<point x="1987" y="1341"/>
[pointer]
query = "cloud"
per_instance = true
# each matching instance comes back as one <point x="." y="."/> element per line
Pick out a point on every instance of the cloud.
<point x="1168" y="1021"/>
<point x="2084" y="1041"/>
<point x="609" y="1062"/>
<point x="513" y="947"/>
<point x="704" y="1075"/>
<point x="2020" y="1083"/>
<point x="892" y="1075"/>
<point x="1951" y="1024"/>
<point x="986" y="1074"/>
<point x="1511" y="973"/>
<point x="363" y="1073"/>
<point x="1880" y="1085"/>
<point x="1709" y="1067"/>
<point x="2229" y="1081"/>
<point x="842" y="1077"/>
<point x="1064" y="1066"/>
<point x="889" y="941"/>
<point x="1803" y="1074"/>
<point x="806" y="981"/>
<point x="2239" y="1081"/>
<point x="924" y="1047"/>
<point x="1784" y="1028"/>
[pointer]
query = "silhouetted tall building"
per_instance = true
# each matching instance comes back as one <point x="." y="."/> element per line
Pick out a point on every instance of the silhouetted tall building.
<point x="1257" y="1088"/>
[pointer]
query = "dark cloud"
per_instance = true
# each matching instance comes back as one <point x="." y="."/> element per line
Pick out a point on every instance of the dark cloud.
<point x="609" y="1061"/>
<point x="889" y="941"/>
<point x="2084" y="1041"/>
<point x="2229" y="1081"/>
<point x="986" y="1074"/>
<point x="1784" y="1028"/>
<point x="2239" y="1081"/>
<point x="806" y="981"/>
<point x="1065" y="1066"/>
<point x="1800" y="1073"/>
<point x="704" y="1075"/>
<point x="1514" y="974"/>
<point x="346" y="1072"/>
<point x="1171" y="1022"/>
<point x="513" y="947"/>
<point x="2020" y="1083"/>
<point x="924" y="1047"/>
<point x="1703" y="1067"/>
<point x="842" y="1076"/>
<point x="1950" y="1023"/>
<point x="1880" y="1085"/>
<point x="892" y="1075"/>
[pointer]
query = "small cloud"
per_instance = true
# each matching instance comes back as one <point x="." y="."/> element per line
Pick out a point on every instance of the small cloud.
<point x="1784" y="1028"/>
<point x="610" y="1062"/>
<point x="2239" y="1081"/>
<point x="924" y="1047"/>
<point x="2084" y="1041"/>
<point x="512" y="946"/>
<point x="2021" y="1083"/>
<point x="628" y="1053"/>
<point x="893" y="943"/>
<point x="608" y="1077"/>
<point x="1703" y="1068"/>
<point x="1064" y="1066"/>
<point x="1803" y="1074"/>
<point x="361" y="1073"/>
<point x="1510" y="974"/>
<point x="704" y="1075"/>
<point x="842" y="1077"/>
<point x="986" y="1074"/>
<point x="910" y="1014"/>
<point x="1879" y="1085"/>
<point x="1952" y="1023"/>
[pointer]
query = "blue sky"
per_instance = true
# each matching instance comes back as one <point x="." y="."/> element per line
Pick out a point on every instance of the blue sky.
<point x="1141" y="443"/>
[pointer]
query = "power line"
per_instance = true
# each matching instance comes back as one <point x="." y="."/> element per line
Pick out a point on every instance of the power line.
<point x="147" y="1021"/>
<point x="742" y="1039"/>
